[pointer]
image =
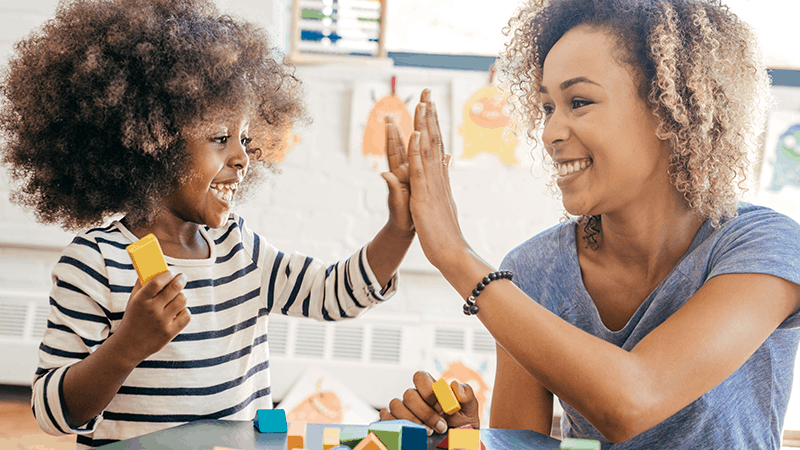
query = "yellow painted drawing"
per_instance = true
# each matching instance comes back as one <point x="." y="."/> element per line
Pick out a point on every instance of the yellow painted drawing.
<point x="486" y="119"/>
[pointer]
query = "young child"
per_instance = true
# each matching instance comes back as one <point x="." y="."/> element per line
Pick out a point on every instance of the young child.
<point x="163" y="112"/>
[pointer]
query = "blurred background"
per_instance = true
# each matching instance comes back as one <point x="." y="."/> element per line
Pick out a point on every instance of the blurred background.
<point x="360" y="60"/>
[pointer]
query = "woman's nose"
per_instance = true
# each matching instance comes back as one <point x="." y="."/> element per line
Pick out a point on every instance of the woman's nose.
<point x="555" y="129"/>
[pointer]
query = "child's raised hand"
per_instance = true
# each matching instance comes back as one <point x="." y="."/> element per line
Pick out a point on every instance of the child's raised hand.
<point x="419" y="405"/>
<point x="155" y="314"/>
<point x="397" y="178"/>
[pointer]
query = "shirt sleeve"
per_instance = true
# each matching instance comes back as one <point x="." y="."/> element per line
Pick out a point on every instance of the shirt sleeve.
<point x="766" y="242"/>
<point x="76" y="325"/>
<point x="301" y="286"/>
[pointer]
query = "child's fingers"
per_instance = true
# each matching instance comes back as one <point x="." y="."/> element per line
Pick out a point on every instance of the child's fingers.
<point x="416" y="171"/>
<point x="394" y="145"/>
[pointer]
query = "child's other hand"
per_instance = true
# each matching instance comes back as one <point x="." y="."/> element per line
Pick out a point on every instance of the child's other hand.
<point x="397" y="179"/>
<point x="155" y="314"/>
<point x="419" y="405"/>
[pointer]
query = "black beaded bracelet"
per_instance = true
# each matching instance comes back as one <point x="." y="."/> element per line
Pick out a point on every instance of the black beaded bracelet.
<point x="470" y="308"/>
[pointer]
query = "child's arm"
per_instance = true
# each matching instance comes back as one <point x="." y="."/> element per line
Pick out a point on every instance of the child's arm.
<point x="389" y="246"/>
<point x="81" y="366"/>
<point x="155" y="314"/>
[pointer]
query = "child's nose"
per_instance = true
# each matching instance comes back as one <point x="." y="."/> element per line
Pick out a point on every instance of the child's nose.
<point x="239" y="158"/>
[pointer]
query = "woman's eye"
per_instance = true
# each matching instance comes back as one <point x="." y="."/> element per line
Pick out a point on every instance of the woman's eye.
<point x="577" y="103"/>
<point x="548" y="109"/>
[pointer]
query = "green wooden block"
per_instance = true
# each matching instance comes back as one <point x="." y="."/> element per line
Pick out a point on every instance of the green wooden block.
<point x="580" y="444"/>
<point x="351" y="436"/>
<point x="391" y="434"/>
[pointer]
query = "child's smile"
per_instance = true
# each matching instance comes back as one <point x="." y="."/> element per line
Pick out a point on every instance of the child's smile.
<point x="219" y="162"/>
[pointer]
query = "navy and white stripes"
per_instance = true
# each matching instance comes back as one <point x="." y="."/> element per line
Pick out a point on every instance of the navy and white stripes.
<point x="218" y="367"/>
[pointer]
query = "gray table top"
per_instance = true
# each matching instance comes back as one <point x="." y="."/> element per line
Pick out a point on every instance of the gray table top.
<point x="243" y="435"/>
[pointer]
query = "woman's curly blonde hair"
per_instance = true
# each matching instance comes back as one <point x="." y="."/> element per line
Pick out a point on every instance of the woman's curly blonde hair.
<point x="700" y="69"/>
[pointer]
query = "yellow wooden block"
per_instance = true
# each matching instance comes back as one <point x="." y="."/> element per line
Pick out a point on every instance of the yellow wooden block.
<point x="148" y="260"/>
<point x="446" y="397"/>
<point x="296" y="435"/>
<point x="464" y="438"/>
<point x="330" y="438"/>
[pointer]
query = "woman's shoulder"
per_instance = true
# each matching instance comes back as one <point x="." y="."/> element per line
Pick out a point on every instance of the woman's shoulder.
<point x="755" y="220"/>
<point x="547" y="245"/>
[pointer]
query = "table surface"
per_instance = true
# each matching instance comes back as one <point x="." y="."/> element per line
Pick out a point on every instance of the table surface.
<point x="243" y="435"/>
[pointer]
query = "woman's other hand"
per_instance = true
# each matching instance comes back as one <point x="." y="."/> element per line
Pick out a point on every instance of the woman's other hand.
<point x="419" y="405"/>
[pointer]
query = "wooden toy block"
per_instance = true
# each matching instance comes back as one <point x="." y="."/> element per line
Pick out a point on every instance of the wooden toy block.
<point x="147" y="257"/>
<point x="351" y="436"/>
<point x="371" y="442"/>
<point x="580" y="444"/>
<point x="446" y="396"/>
<point x="391" y="434"/>
<point x="464" y="438"/>
<point x="330" y="438"/>
<point x="271" y="421"/>
<point x="296" y="435"/>
<point x="412" y="435"/>
<point x="444" y="443"/>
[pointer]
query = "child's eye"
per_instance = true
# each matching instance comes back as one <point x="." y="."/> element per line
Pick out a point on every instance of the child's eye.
<point x="246" y="141"/>
<point x="221" y="139"/>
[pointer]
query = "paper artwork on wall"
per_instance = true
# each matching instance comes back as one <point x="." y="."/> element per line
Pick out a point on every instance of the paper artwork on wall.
<point x="486" y="118"/>
<point x="470" y="368"/>
<point x="781" y="166"/>
<point x="372" y="101"/>
<point x="374" y="141"/>
<point x="318" y="397"/>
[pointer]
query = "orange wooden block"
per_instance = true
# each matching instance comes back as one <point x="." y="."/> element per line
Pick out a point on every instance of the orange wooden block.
<point x="371" y="442"/>
<point x="148" y="260"/>
<point x="446" y="396"/>
<point x="330" y="438"/>
<point x="296" y="435"/>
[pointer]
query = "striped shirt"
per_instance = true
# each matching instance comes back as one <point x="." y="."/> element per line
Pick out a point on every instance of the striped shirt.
<point x="218" y="366"/>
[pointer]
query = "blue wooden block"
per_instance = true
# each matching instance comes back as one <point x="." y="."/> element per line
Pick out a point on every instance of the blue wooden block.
<point x="271" y="421"/>
<point x="413" y="436"/>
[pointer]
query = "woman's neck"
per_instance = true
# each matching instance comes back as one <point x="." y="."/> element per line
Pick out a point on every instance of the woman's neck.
<point x="648" y="240"/>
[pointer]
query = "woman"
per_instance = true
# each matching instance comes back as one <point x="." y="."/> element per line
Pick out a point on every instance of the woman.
<point x="665" y="314"/>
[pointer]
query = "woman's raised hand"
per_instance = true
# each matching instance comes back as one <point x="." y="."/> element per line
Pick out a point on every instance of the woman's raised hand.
<point x="431" y="202"/>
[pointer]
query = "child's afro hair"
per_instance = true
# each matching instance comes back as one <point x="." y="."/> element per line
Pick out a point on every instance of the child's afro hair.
<point x="94" y="105"/>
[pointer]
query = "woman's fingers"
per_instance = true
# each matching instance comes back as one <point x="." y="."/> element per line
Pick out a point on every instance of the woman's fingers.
<point x="434" y="132"/>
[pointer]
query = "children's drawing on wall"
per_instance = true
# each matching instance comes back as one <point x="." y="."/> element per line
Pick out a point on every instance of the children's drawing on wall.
<point x="372" y="102"/>
<point x="486" y="118"/>
<point x="472" y="369"/>
<point x="318" y="397"/>
<point x="290" y="140"/>
<point x="786" y="158"/>
<point x="779" y="181"/>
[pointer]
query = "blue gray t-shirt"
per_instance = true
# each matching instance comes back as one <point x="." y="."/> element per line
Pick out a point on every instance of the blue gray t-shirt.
<point x="744" y="411"/>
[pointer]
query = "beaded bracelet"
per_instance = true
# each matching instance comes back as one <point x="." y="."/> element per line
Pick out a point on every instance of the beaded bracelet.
<point x="470" y="308"/>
